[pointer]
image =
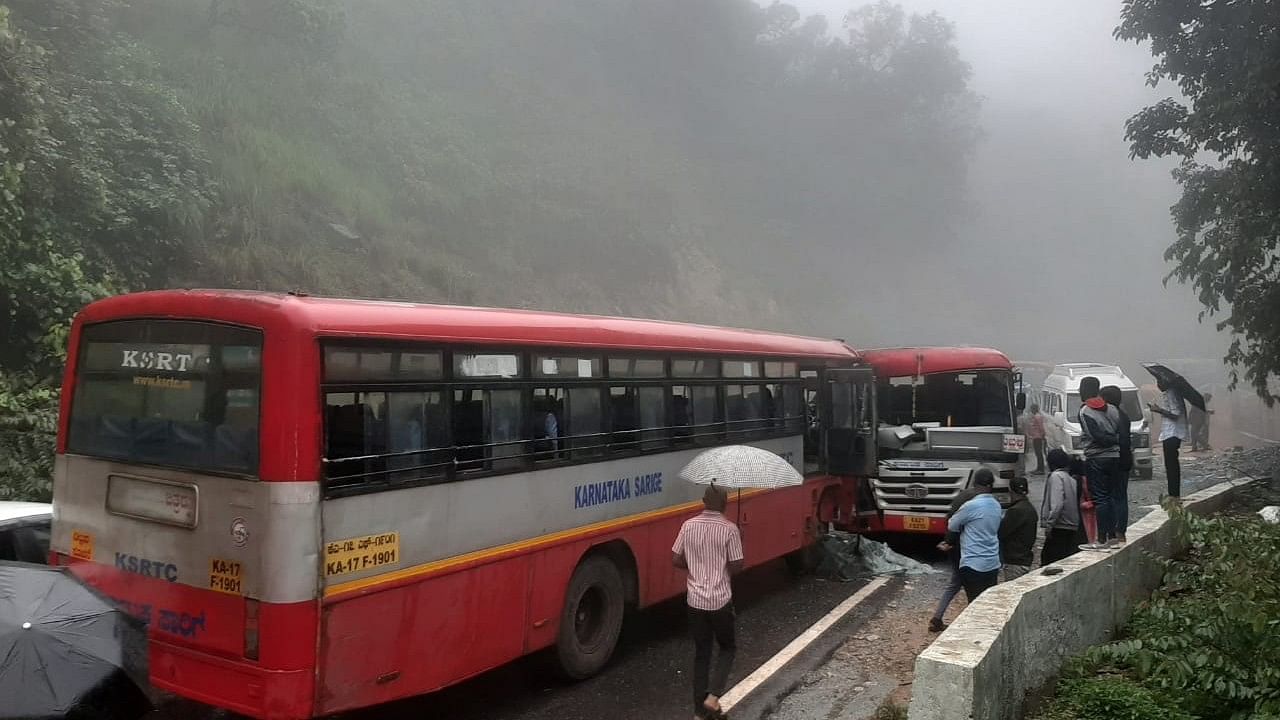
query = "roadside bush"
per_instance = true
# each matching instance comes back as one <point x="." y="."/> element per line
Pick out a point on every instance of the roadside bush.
<point x="1205" y="645"/>
<point x="1113" y="698"/>
<point x="891" y="710"/>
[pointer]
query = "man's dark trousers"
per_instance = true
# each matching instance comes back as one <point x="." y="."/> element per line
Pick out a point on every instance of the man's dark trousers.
<point x="975" y="582"/>
<point x="706" y="625"/>
<point x="1102" y="474"/>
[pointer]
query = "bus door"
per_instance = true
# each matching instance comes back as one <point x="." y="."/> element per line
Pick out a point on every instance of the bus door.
<point x="850" y="422"/>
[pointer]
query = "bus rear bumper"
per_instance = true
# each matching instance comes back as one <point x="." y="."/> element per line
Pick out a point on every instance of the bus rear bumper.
<point x="237" y="686"/>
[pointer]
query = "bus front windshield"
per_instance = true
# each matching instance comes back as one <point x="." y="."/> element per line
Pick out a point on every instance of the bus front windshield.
<point x="973" y="398"/>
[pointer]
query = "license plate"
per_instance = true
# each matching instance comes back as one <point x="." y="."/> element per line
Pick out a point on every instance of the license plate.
<point x="915" y="523"/>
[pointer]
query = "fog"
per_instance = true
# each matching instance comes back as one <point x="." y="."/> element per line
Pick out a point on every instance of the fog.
<point x="882" y="180"/>
<point x="1061" y="256"/>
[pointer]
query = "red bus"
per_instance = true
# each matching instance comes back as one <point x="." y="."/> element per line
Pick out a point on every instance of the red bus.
<point x="323" y="504"/>
<point x="943" y="413"/>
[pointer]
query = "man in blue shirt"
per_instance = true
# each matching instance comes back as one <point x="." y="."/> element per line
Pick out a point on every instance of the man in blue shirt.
<point x="978" y="523"/>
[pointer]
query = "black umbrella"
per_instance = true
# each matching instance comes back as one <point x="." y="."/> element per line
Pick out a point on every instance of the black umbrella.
<point x="64" y="649"/>
<point x="1177" y="382"/>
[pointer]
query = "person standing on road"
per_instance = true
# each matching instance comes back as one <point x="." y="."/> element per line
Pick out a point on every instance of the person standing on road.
<point x="1099" y="432"/>
<point x="1018" y="531"/>
<point x="1173" y="431"/>
<point x="1060" y="510"/>
<point x="1198" y="422"/>
<point x="709" y="547"/>
<point x="951" y="546"/>
<point x="1120" y="488"/>
<point x="978" y="523"/>
<point x="1035" y="433"/>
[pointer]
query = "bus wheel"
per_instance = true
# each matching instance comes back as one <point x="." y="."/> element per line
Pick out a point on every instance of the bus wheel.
<point x="591" y="619"/>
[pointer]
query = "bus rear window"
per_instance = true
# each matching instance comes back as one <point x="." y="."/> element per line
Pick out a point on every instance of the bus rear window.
<point x="164" y="392"/>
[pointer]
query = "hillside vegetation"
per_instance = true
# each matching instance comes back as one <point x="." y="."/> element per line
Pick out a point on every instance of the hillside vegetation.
<point x="716" y="161"/>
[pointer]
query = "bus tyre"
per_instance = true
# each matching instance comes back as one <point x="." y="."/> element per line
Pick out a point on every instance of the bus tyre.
<point x="591" y="619"/>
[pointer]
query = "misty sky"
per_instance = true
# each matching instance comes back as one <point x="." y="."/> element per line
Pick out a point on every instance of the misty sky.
<point x="1062" y="257"/>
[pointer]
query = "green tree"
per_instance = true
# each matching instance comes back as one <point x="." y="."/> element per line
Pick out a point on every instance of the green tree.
<point x="1224" y="58"/>
<point x="42" y="278"/>
<point x="102" y="189"/>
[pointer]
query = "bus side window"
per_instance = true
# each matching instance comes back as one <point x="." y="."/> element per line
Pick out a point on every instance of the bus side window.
<point x="695" y="414"/>
<point x="742" y="409"/>
<point x="417" y="431"/>
<point x="625" y="417"/>
<point x="651" y="401"/>
<point x="468" y="429"/>
<point x="793" y="418"/>
<point x="681" y="416"/>
<point x="354" y="431"/>
<point x="488" y="429"/>
<point x="585" y="419"/>
<point x="506" y="429"/>
<point x="771" y="404"/>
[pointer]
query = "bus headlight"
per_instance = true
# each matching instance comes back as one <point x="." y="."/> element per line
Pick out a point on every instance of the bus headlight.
<point x="1141" y="440"/>
<point x="1077" y="442"/>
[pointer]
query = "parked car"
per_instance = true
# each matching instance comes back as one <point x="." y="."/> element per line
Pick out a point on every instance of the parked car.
<point x="24" y="531"/>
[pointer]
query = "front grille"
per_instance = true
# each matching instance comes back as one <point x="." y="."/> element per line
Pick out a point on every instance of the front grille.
<point x="921" y="492"/>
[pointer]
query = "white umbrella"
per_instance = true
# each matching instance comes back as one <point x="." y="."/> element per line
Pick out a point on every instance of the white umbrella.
<point x="739" y="467"/>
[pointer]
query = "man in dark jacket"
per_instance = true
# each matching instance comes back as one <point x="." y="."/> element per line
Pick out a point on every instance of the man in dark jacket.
<point x="1100" y="438"/>
<point x="1018" y="531"/>
<point x="1120" y="482"/>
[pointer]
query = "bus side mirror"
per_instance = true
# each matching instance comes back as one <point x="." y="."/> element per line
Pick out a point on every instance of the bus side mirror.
<point x="1021" y="401"/>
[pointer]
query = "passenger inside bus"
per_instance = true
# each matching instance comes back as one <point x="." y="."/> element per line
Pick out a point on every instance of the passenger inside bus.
<point x="546" y="426"/>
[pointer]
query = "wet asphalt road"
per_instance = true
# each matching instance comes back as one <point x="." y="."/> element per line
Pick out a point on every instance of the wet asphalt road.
<point x="648" y="677"/>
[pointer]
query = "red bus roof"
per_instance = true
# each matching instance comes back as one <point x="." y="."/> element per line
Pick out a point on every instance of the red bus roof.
<point x="333" y="317"/>
<point x="900" y="362"/>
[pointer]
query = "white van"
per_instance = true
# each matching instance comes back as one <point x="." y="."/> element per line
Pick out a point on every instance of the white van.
<point x="1060" y="402"/>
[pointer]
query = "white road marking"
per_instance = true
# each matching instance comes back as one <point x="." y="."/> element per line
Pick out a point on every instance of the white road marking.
<point x="1256" y="437"/>
<point x="796" y="646"/>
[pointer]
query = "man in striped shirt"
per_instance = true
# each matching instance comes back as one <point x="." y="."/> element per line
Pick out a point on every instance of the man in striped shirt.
<point x="709" y="547"/>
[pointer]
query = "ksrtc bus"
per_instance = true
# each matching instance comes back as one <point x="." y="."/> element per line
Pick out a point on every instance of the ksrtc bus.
<point x="323" y="504"/>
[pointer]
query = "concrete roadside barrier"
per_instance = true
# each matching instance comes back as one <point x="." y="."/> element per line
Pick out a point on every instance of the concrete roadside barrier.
<point x="1004" y="652"/>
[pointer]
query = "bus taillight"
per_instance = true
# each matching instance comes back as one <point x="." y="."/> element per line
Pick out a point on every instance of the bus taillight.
<point x="251" y="629"/>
